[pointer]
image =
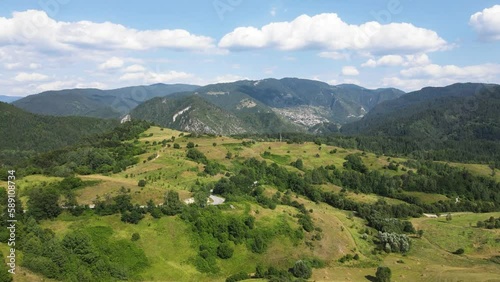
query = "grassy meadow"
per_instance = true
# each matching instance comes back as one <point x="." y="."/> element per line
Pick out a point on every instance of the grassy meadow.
<point x="169" y="245"/>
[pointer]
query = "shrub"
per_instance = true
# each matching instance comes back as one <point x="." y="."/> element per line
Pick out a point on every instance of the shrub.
<point x="237" y="277"/>
<point x="135" y="236"/>
<point x="301" y="270"/>
<point x="383" y="274"/>
<point x="141" y="183"/>
<point x="459" y="251"/>
<point x="190" y="145"/>
<point x="224" y="251"/>
<point x="177" y="146"/>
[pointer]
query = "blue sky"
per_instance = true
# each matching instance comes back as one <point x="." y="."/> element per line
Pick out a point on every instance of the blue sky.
<point x="57" y="44"/>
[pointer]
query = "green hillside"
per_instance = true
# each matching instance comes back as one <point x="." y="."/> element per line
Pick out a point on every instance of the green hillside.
<point x="457" y="123"/>
<point x="95" y="102"/>
<point x="25" y="134"/>
<point x="282" y="218"/>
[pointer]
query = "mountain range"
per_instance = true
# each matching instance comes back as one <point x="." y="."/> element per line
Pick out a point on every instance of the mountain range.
<point x="95" y="102"/>
<point x="264" y="106"/>
<point x="459" y="121"/>
<point x="9" y="99"/>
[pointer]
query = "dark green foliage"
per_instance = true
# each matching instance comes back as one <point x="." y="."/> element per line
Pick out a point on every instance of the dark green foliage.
<point x="491" y="223"/>
<point x="30" y="134"/>
<point x="141" y="183"/>
<point x="459" y="251"/>
<point x="190" y="145"/>
<point x="88" y="254"/>
<point x="224" y="251"/>
<point x="172" y="204"/>
<point x="135" y="237"/>
<point x="301" y="270"/>
<point x="258" y="244"/>
<point x="457" y="123"/>
<point x="391" y="225"/>
<point x="5" y="276"/>
<point x="393" y="242"/>
<point x="213" y="168"/>
<point x="71" y="183"/>
<point x="177" y="146"/>
<point x="383" y="274"/>
<point x="238" y="277"/>
<point x="306" y="221"/>
<point x="298" y="164"/>
<point x="197" y="156"/>
<point x="133" y="216"/>
<point x="43" y="203"/>
<point x="346" y="258"/>
<point x="103" y="153"/>
<point x="354" y="162"/>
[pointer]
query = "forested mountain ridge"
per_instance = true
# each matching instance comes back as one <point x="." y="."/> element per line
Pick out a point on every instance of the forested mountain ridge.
<point x="95" y="102"/>
<point x="460" y="119"/>
<point x="285" y="105"/>
<point x="25" y="133"/>
<point x="192" y="113"/>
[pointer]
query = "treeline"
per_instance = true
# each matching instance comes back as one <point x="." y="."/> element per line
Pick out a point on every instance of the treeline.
<point x="104" y="153"/>
<point x="465" y="151"/>
<point x="252" y="170"/>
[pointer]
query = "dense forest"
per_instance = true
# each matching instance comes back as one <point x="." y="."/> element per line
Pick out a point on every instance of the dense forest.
<point x="26" y="134"/>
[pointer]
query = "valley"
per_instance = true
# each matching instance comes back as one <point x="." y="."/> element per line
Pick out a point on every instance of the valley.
<point x="170" y="245"/>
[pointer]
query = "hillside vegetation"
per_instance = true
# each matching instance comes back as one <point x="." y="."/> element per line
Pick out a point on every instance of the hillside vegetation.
<point x="112" y="103"/>
<point x="25" y="134"/>
<point x="458" y="123"/>
<point x="291" y="211"/>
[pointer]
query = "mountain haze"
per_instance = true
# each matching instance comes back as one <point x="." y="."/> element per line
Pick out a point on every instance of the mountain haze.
<point x="9" y="99"/>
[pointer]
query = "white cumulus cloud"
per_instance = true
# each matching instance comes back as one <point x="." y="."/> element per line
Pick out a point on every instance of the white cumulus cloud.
<point x="112" y="63"/>
<point x="350" y="71"/>
<point x="398" y="60"/>
<point x="329" y="32"/>
<point x="135" y="68"/>
<point x="415" y="78"/>
<point x="30" y="77"/>
<point x="487" y="23"/>
<point x="35" y="28"/>
<point x="474" y="72"/>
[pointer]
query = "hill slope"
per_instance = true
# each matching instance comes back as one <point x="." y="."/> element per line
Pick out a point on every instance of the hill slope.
<point x="459" y="116"/>
<point x="94" y="102"/>
<point x="192" y="113"/>
<point x="25" y="133"/>
<point x="272" y="105"/>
